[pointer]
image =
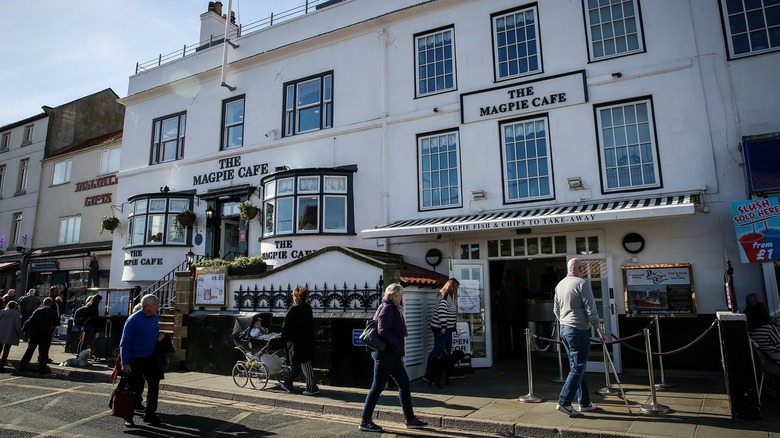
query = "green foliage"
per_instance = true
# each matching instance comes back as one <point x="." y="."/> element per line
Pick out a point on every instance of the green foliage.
<point x="239" y="262"/>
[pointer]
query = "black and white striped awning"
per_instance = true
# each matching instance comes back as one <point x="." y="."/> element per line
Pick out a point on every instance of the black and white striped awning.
<point x="581" y="214"/>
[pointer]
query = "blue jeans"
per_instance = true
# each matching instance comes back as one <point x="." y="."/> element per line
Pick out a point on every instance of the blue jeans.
<point x="577" y="343"/>
<point x="441" y="342"/>
<point x="89" y="333"/>
<point x="386" y="365"/>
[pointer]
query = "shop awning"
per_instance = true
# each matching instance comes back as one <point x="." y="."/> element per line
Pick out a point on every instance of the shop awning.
<point x="580" y="214"/>
<point x="762" y="153"/>
<point x="4" y="265"/>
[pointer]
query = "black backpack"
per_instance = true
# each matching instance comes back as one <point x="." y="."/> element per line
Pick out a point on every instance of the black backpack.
<point x="80" y="317"/>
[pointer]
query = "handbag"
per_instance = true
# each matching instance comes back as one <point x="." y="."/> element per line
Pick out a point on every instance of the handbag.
<point x="122" y="401"/>
<point x="371" y="338"/>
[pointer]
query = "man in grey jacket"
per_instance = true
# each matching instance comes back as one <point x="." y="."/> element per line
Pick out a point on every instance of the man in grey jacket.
<point x="576" y="312"/>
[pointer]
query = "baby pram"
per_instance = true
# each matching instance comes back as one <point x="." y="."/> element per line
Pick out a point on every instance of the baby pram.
<point x="264" y="357"/>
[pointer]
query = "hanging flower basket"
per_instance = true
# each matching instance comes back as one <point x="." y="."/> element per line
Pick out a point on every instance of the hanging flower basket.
<point x="109" y="223"/>
<point x="187" y="218"/>
<point x="247" y="211"/>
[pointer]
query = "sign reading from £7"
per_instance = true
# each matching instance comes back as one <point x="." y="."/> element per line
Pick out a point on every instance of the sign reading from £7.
<point x="757" y="224"/>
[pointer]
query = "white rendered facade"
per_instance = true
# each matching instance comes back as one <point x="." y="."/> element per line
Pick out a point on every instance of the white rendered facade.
<point x="356" y="66"/>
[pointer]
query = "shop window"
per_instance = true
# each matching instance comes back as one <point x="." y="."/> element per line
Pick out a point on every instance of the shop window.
<point x="307" y="202"/>
<point x="168" y="138"/>
<point x="751" y="26"/>
<point x="439" y="170"/>
<point x="628" y="147"/>
<point x="62" y="172"/>
<point x="526" y="160"/>
<point x="70" y="229"/>
<point x="614" y="28"/>
<point x="233" y="123"/>
<point x="153" y="221"/>
<point x="516" y="43"/>
<point x="469" y="251"/>
<point x="24" y="168"/>
<point x="587" y="245"/>
<point x="435" y="62"/>
<point x="308" y="104"/>
<point x="527" y="246"/>
<point x="109" y="160"/>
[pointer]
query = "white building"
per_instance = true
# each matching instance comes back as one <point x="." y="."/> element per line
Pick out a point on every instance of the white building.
<point x="508" y="136"/>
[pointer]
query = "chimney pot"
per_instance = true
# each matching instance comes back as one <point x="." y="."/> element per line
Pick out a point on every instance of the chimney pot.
<point x="218" y="8"/>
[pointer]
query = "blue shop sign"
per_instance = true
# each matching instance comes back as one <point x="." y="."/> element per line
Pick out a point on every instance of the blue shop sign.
<point x="356" y="338"/>
<point x="44" y="266"/>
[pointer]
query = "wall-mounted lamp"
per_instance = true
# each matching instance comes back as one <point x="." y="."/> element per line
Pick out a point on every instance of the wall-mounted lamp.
<point x="575" y="183"/>
<point x="165" y="189"/>
<point x="617" y="74"/>
<point x="190" y="257"/>
<point x="272" y="133"/>
<point x="478" y="194"/>
<point x="433" y="257"/>
<point x="209" y="213"/>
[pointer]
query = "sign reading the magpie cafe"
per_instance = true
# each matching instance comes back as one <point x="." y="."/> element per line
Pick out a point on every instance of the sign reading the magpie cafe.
<point x="524" y="98"/>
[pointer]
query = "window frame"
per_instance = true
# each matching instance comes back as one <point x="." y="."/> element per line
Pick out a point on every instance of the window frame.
<point x="498" y="77"/>
<point x="228" y="127"/>
<point x="653" y="147"/>
<point x="24" y="170"/>
<point x="451" y="61"/>
<point x="2" y="179"/>
<point x="505" y="156"/>
<point x="152" y="220"/>
<point x="64" y="178"/>
<point x="27" y="135"/>
<point x="590" y="37"/>
<point x="729" y="34"/>
<point x="71" y="227"/>
<point x="105" y="163"/>
<point x="5" y="141"/>
<point x="158" y="146"/>
<point x="285" y="196"/>
<point x="423" y="186"/>
<point x="16" y="229"/>
<point x="291" y="109"/>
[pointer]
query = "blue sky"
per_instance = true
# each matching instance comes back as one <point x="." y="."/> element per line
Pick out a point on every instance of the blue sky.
<point x="57" y="51"/>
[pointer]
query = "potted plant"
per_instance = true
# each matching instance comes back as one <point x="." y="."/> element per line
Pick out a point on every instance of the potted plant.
<point x="187" y="218"/>
<point x="247" y="210"/>
<point x="109" y="223"/>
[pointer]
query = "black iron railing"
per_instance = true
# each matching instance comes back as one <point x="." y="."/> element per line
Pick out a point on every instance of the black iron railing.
<point x="165" y="287"/>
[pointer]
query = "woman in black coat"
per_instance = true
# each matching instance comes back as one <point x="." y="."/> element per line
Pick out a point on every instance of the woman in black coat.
<point x="298" y="329"/>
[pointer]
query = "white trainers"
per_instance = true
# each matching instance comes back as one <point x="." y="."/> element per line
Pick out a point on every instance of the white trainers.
<point x="568" y="410"/>
<point x="587" y="408"/>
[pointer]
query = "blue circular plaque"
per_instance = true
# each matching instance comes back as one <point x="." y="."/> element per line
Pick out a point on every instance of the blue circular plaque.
<point x="198" y="239"/>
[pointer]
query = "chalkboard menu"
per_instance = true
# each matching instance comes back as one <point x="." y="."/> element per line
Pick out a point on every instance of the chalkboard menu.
<point x="662" y="290"/>
<point x="210" y="285"/>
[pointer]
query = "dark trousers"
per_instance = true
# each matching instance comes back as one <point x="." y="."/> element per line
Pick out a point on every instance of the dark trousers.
<point x="308" y="372"/>
<point x="42" y="343"/>
<point x="388" y="365"/>
<point x="6" y="350"/>
<point x="145" y="369"/>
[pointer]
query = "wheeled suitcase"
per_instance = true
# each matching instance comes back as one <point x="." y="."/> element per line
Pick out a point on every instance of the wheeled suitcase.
<point x="104" y="344"/>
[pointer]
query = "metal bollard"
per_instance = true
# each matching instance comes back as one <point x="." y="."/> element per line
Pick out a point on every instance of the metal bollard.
<point x="560" y="378"/>
<point x="663" y="383"/>
<point x="530" y="397"/>
<point x="607" y="390"/>
<point x="654" y="407"/>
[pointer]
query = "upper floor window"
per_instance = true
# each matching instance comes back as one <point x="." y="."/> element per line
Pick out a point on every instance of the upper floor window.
<point x="70" y="228"/>
<point x="526" y="160"/>
<point x="435" y="62"/>
<point x="6" y="141"/>
<point x="753" y="26"/>
<point x="109" y="160"/>
<point x="613" y="28"/>
<point x="168" y="141"/>
<point x="28" y="134"/>
<point x="16" y="230"/>
<point x="308" y="202"/>
<point x="61" y="172"/>
<point x="2" y="179"/>
<point x="153" y="220"/>
<point x="233" y="123"/>
<point x="516" y="43"/>
<point x="308" y="104"/>
<point x="24" y="168"/>
<point x="629" y="154"/>
<point x="439" y="170"/>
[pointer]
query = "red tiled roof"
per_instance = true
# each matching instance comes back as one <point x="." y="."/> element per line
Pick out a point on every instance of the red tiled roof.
<point x="414" y="275"/>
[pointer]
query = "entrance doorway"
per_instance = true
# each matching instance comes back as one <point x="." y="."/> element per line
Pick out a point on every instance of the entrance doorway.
<point x="229" y="242"/>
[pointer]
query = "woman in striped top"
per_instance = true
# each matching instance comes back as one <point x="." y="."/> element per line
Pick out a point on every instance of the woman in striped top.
<point x="442" y="325"/>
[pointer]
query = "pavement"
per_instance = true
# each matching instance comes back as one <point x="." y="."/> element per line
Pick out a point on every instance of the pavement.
<point x="486" y="401"/>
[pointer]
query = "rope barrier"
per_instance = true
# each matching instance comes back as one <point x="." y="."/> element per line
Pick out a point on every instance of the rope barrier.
<point x="694" y="342"/>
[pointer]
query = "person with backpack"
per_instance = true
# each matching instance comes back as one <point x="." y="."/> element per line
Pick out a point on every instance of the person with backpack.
<point x="87" y="318"/>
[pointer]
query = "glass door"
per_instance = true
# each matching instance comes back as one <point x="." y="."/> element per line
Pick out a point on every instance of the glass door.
<point x="596" y="273"/>
<point x="474" y="308"/>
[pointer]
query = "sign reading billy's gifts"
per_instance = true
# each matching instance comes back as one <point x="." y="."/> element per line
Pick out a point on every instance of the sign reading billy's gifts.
<point x="210" y="286"/>
<point x="757" y="223"/>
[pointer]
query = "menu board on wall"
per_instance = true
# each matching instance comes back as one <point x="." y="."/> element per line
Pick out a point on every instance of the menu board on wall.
<point x="663" y="290"/>
<point x="210" y="285"/>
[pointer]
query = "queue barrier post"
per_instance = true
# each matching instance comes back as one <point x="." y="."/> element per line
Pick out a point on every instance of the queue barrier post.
<point x="530" y="397"/>
<point x="560" y="378"/>
<point x="663" y="383"/>
<point x="653" y="407"/>
<point x="607" y="390"/>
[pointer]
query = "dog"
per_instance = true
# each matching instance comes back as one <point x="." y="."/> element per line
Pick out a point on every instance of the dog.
<point x="80" y="360"/>
<point x="443" y="367"/>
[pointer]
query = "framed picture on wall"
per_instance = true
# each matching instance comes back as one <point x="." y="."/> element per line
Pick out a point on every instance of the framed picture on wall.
<point x="662" y="290"/>
<point x="210" y="285"/>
